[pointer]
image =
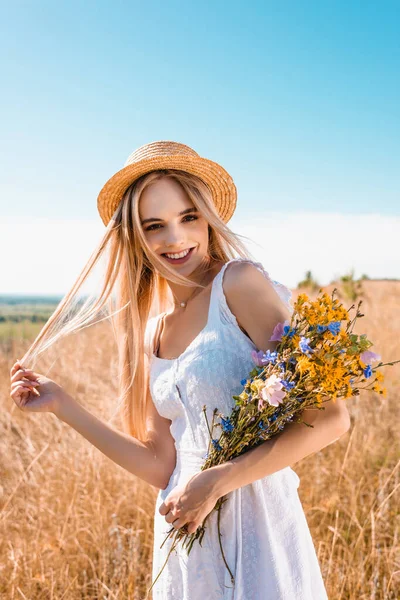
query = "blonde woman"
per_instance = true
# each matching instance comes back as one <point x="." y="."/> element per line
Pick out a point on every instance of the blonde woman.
<point x="189" y="304"/>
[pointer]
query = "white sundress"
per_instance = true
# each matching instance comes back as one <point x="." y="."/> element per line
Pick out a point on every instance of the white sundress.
<point x="265" y="535"/>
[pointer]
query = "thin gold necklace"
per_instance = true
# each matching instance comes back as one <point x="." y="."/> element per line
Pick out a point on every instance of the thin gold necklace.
<point x="183" y="303"/>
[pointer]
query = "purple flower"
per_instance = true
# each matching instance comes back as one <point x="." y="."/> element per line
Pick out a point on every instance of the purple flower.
<point x="257" y="357"/>
<point x="367" y="356"/>
<point x="278" y="332"/>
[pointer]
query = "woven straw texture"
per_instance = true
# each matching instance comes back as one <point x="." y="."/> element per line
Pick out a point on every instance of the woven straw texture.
<point x="168" y="155"/>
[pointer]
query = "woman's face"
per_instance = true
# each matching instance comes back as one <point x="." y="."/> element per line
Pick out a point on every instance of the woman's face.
<point x="168" y="231"/>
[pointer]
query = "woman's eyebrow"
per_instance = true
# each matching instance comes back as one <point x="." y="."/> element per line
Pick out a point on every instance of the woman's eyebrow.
<point x="184" y="212"/>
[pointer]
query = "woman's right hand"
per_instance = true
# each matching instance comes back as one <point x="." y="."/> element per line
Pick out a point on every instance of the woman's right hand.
<point x="34" y="392"/>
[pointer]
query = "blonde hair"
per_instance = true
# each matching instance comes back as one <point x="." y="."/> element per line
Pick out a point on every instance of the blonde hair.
<point x="134" y="289"/>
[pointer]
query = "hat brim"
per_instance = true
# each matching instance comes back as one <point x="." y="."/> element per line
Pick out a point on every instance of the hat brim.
<point x="216" y="177"/>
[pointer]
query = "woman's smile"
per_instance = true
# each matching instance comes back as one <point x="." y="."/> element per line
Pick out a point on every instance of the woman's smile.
<point x="181" y="258"/>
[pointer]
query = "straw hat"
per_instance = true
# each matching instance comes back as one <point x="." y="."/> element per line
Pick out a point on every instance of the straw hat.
<point x="168" y="155"/>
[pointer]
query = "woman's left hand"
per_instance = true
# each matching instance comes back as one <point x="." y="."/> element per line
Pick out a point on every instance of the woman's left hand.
<point x="189" y="504"/>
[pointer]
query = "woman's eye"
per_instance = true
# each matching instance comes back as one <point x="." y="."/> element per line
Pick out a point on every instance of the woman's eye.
<point x="156" y="225"/>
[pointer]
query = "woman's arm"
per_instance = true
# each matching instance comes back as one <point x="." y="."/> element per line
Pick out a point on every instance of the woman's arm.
<point x="153" y="461"/>
<point x="245" y="287"/>
<point x="295" y="442"/>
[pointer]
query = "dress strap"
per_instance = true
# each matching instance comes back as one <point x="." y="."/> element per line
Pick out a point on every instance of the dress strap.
<point x="220" y="308"/>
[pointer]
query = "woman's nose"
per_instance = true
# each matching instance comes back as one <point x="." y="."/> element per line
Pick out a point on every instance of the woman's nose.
<point x="174" y="236"/>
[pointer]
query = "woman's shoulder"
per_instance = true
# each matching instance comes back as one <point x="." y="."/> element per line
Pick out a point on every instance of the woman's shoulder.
<point x="245" y="273"/>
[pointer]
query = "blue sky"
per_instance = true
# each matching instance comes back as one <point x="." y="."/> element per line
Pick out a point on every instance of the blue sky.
<point x="299" y="101"/>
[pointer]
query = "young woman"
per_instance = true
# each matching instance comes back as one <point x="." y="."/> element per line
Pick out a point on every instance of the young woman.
<point x="189" y="313"/>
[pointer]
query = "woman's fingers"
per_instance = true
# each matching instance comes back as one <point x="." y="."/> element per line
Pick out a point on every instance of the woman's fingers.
<point x="17" y="365"/>
<point x="27" y="384"/>
<point x="171" y="516"/>
<point x="21" y="373"/>
<point x="179" y="523"/>
<point x="163" y="509"/>
<point x="191" y="526"/>
<point x="21" y="395"/>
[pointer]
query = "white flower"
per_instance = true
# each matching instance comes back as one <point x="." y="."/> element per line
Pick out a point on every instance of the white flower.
<point x="272" y="391"/>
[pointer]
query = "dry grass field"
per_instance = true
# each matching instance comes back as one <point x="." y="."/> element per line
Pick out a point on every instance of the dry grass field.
<point x="73" y="525"/>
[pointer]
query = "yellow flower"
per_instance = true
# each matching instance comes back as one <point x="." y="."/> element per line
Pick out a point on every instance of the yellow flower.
<point x="304" y="364"/>
<point x="379" y="376"/>
<point x="301" y="298"/>
<point x="348" y="392"/>
<point x="257" y="385"/>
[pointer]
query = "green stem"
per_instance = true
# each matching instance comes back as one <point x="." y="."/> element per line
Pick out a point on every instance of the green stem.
<point x="220" y="544"/>
<point x="173" y="546"/>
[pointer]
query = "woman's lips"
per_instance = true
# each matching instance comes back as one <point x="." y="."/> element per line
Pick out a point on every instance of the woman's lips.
<point x="179" y="261"/>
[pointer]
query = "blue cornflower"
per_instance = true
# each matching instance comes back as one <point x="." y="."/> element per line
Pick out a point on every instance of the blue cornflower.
<point x="269" y="356"/>
<point x="287" y="330"/>
<point x="272" y="418"/>
<point x="226" y="424"/>
<point x="243" y="381"/>
<point x="292" y="360"/>
<point x="334" y="327"/>
<point x="303" y="345"/>
<point x="287" y="384"/>
<point x="262" y="425"/>
<point x="368" y="371"/>
<point x="216" y="445"/>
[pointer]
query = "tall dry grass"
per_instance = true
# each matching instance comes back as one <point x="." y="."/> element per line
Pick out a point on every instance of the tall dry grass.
<point x="73" y="525"/>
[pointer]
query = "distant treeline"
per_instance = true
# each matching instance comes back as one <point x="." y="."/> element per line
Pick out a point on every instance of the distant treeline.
<point x="20" y="318"/>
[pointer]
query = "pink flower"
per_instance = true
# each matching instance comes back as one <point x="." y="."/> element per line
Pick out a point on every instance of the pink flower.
<point x="272" y="392"/>
<point x="278" y="332"/>
<point x="367" y="357"/>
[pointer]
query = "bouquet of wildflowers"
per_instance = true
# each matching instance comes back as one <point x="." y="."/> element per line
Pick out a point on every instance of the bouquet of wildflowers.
<point x="317" y="359"/>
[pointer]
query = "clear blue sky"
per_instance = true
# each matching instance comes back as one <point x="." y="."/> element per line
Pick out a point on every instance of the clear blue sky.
<point x="300" y="100"/>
